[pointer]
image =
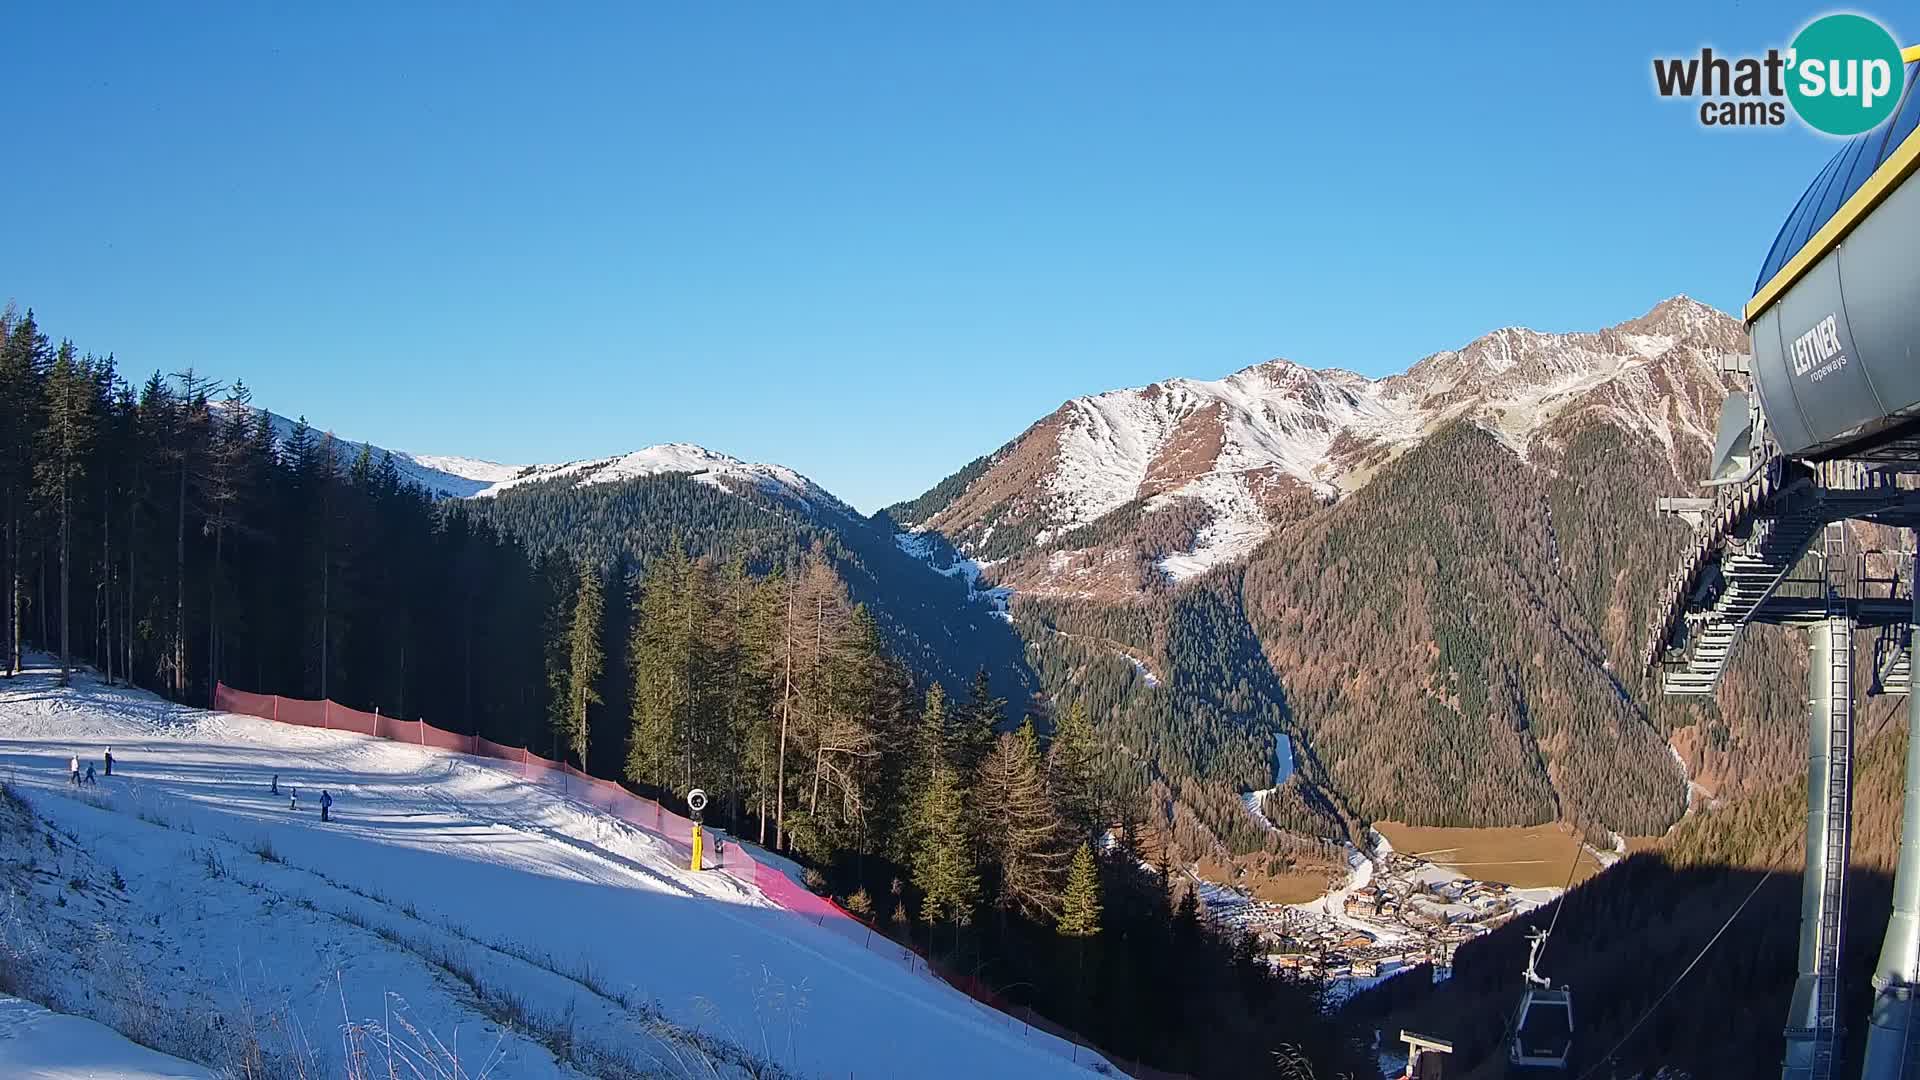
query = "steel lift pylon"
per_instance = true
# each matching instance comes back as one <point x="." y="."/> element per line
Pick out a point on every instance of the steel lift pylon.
<point x="1781" y="552"/>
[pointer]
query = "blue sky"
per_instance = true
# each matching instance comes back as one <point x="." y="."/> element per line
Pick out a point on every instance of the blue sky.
<point x="868" y="241"/>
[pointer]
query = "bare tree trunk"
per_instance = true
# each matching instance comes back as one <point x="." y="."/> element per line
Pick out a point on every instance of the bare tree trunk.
<point x="40" y="586"/>
<point x="104" y="648"/>
<point x="13" y="587"/>
<point x="133" y="522"/>
<point x="180" y="589"/>
<point x="213" y="613"/>
<point x="326" y="565"/>
<point x="66" y="611"/>
<point x="786" y="714"/>
<point x="467" y="679"/>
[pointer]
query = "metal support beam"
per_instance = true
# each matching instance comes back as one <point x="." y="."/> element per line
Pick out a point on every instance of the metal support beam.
<point x="1813" y="1020"/>
<point x="1893" y="1036"/>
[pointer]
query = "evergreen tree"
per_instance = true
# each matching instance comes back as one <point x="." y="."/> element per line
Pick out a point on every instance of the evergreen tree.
<point x="944" y="869"/>
<point x="926" y="755"/>
<point x="976" y="723"/>
<point x="1070" y="772"/>
<point x="22" y="360"/>
<point x="1080" y="905"/>
<point x="584" y="662"/>
<point x="63" y="443"/>
<point x="661" y="656"/>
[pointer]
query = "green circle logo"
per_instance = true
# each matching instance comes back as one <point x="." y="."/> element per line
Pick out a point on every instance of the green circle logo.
<point x="1845" y="74"/>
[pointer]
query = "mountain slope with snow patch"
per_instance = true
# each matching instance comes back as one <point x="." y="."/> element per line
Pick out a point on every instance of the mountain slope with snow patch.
<point x="1238" y="456"/>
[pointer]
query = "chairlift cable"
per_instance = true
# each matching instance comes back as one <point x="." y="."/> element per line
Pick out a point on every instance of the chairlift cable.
<point x="1675" y="985"/>
<point x="1579" y="849"/>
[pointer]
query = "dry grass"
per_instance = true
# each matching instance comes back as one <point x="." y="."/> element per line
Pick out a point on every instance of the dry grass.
<point x="1527" y="857"/>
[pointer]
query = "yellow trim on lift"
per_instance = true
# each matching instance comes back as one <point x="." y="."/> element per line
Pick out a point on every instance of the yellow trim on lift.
<point x="1888" y="176"/>
<point x="1911" y="54"/>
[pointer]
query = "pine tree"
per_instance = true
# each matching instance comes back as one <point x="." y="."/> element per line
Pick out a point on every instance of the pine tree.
<point x="585" y="661"/>
<point x="1080" y="905"/>
<point x="22" y="358"/>
<point x="944" y="869"/>
<point x="63" y="445"/>
<point x="660" y="656"/>
<point x="1070" y="772"/>
<point x="926" y="755"/>
<point x="976" y="722"/>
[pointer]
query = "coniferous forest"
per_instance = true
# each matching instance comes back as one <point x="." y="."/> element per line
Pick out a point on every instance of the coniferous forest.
<point x="157" y="531"/>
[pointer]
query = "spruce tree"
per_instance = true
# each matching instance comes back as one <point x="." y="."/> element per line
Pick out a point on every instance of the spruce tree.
<point x="976" y="723"/>
<point x="944" y="868"/>
<point x="926" y="755"/>
<point x="585" y="660"/>
<point x="1080" y="905"/>
<point x="22" y="359"/>
<point x="63" y="445"/>
<point x="1071" y="772"/>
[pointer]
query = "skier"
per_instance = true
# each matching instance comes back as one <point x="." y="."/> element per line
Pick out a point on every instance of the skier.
<point x="73" y="770"/>
<point x="90" y="778"/>
<point x="276" y="783"/>
<point x="293" y="798"/>
<point x="109" y="761"/>
<point x="326" y="804"/>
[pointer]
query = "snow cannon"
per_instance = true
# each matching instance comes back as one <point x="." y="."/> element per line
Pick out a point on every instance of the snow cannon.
<point x="696" y="807"/>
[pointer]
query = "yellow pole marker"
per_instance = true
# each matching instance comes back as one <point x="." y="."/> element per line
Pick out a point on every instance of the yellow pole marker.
<point x="697" y="803"/>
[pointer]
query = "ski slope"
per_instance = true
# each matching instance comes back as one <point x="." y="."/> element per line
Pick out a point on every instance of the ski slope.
<point x="496" y="917"/>
<point x="36" y="1044"/>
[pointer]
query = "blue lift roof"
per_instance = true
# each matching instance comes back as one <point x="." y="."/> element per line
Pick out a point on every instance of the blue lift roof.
<point x="1841" y="178"/>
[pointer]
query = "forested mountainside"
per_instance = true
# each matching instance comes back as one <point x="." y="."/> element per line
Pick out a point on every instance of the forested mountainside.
<point x="173" y="544"/>
<point x="936" y="623"/>
<point x="1626" y="935"/>
<point x="1443" y="574"/>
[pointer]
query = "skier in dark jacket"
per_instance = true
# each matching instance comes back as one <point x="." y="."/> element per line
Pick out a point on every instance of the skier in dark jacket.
<point x="276" y="783"/>
<point x="326" y="804"/>
<point x="109" y="761"/>
<point x="90" y="778"/>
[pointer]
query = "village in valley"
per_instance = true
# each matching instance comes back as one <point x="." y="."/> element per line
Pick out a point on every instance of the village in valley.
<point x="1392" y="912"/>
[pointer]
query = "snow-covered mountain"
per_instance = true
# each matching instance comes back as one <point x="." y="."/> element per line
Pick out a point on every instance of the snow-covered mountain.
<point x="1234" y="455"/>
<point x="703" y="465"/>
<point x="454" y="477"/>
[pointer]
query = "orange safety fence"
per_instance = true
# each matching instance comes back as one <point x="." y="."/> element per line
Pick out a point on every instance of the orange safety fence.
<point x="726" y="855"/>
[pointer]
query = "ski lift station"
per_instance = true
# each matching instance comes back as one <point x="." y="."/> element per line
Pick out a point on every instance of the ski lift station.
<point x="1830" y="434"/>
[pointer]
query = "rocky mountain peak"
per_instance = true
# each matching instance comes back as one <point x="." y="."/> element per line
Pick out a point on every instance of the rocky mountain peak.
<point x="1224" y="453"/>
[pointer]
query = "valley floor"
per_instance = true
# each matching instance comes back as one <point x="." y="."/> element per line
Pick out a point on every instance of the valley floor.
<point x="449" y="914"/>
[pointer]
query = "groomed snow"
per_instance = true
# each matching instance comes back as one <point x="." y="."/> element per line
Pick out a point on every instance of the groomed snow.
<point x="543" y="898"/>
<point x="36" y="1044"/>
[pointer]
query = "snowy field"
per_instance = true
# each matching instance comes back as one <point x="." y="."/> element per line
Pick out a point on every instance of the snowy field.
<point x="36" y="1044"/>
<point x="452" y="917"/>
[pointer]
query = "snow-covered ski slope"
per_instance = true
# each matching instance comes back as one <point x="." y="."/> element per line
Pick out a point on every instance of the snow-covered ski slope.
<point x="562" y="908"/>
<point x="36" y="1044"/>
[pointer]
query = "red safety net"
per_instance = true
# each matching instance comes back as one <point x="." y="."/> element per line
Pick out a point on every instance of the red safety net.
<point x="774" y="877"/>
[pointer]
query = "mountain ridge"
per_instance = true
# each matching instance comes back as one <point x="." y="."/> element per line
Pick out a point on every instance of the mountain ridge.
<point x="1250" y="451"/>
